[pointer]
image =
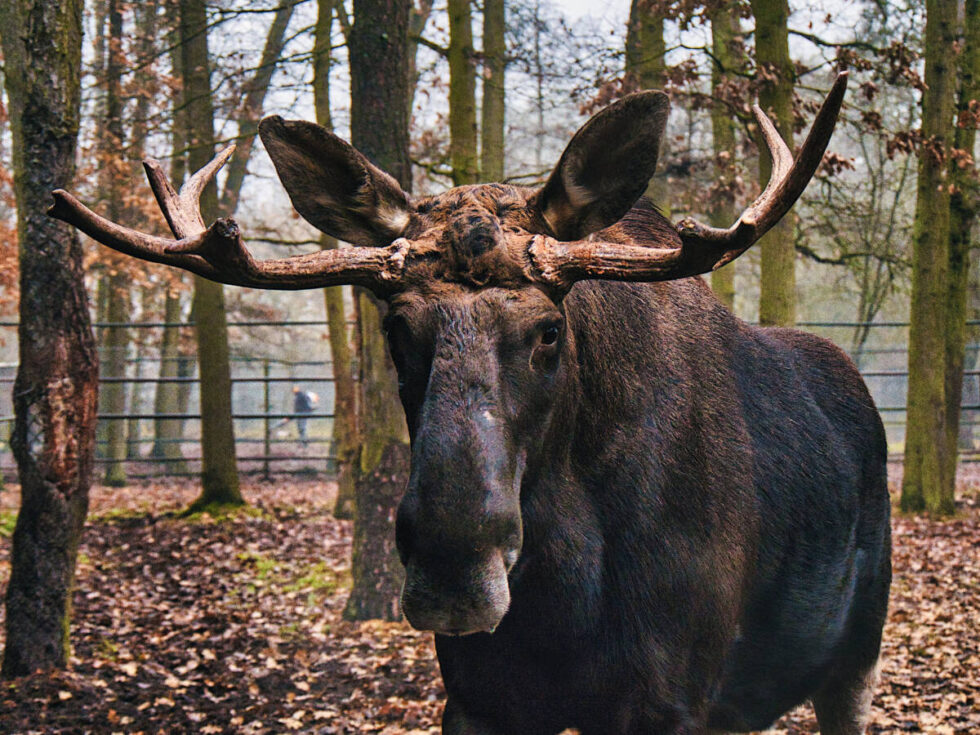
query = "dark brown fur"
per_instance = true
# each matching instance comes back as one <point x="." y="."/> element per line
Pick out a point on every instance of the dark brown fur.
<point x="628" y="511"/>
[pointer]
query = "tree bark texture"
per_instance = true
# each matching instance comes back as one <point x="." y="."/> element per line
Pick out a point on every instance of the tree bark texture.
<point x="219" y="471"/>
<point x="926" y="485"/>
<point x="646" y="69"/>
<point x="963" y="214"/>
<point x="115" y="345"/>
<point x="493" y="111"/>
<point x="345" y="440"/>
<point x="173" y="397"/>
<point x="462" y="95"/>
<point x="726" y="60"/>
<point x="418" y="16"/>
<point x="168" y="433"/>
<point x="378" y="45"/>
<point x="777" y="288"/>
<point x="56" y="386"/>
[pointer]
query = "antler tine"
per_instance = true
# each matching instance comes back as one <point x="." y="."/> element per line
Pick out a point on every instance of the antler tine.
<point x="183" y="211"/>
<point x="786" y="184"/>
<point x="700" y="248"/>
<point x="219" y="253"/>
<point x="123" y="239"/>
<point x="190" y="192"/>
<point x="782" y="156"/>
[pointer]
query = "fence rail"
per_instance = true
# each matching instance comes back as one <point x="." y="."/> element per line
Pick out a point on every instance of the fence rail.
<point x="268" y="435"/>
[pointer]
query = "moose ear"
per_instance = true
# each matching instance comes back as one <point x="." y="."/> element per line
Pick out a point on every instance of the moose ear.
<point x="334" y="187"/>
<point x="606" y="167"/>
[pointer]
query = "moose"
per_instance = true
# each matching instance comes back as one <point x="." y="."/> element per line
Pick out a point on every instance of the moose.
<point x="628" y="511"/>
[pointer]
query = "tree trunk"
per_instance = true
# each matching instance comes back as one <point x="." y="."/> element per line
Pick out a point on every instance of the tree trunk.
<point x="345" y="440"/>
<point x="925" y="485"/>
<point x="727" y="59"/>
<point x="462" y="95"/>
<point x="493" y="112"/>
<point x="57" y="378"/>
<point x="777" y="287"/>
<point x="115" y="347"/>
<point x="963" y="212"/>
<point x="114" y="353"/>
<point x="645" y="46"/>
<point x="173" y="397"/>
<point x="168" y="433"/>
<point x="219" y="471"/>
<point x="646" y="69"/>
<point x="134" y="424"/>
<point x="379" y="129"/>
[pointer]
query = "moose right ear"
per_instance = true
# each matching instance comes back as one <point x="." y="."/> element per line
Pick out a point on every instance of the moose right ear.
<point x="606" y="167"/>
<point x="334" y="187"/>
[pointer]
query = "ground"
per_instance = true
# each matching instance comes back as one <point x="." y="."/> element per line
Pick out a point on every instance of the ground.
<point x="233" y="625"/>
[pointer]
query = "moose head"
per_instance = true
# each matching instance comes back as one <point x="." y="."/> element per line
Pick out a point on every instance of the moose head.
<point x="475" y="280"/>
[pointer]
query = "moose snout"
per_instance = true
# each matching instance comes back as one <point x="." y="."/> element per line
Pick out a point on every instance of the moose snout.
<point x="457" y="596"/>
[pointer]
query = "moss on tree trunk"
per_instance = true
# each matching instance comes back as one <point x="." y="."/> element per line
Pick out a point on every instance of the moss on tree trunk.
<point x="57" y="378"/>
<point x="926" y="484"/>
<point x="963" y="214"/>
<point x="462" y="95"/>
<point x="378" y="44"/>
<point x="493" y="111"/>
<point x="777" y="287"/>
<point x="345" y="387"/>
<point x="726" y="60"/>
<point x="219" y="471"/>
<point x="646" y="69"/>
<point x="168" y="433"/>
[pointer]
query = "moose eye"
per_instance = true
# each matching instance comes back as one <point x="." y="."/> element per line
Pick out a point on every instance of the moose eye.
<point x="550" y="335"/>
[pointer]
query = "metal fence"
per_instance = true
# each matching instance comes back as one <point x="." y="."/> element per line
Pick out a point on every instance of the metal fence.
<point x="266" y="426"/>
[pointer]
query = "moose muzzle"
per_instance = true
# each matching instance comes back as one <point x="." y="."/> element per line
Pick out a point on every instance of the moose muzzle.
<point x="457" y="597"/>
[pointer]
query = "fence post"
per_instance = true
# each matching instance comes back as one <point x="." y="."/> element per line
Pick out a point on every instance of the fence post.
<point x="268" y="430"/>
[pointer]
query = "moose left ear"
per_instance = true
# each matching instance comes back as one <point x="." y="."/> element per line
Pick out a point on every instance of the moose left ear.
<point x="336" y="188"/>
<point x="606" y="167"/>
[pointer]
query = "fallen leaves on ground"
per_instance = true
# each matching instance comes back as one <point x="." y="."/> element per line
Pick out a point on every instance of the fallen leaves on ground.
<point x="233" y="625"/>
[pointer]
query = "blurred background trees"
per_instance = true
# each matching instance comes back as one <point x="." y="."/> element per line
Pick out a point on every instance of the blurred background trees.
<point x="441" y="94"/>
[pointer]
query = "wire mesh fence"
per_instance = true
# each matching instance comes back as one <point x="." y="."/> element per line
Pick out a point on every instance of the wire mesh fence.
<point x="272" y="436"/>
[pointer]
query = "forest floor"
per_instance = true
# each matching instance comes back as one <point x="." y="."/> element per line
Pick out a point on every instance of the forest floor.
<point x="234" y="625"/>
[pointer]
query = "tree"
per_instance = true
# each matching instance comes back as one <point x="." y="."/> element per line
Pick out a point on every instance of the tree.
<point x="379" y="129"/>
<point x="927" y="484"/>
<point x="171" y="395"/>
<point x="116" y="283"/>
<point x="57" y="379"/>
<point x="493" y="110"/>
<point x="219" y="471"/>
<point x="345" y="439"/>
<point x="963" y="214"/>
<point x="777" y="288"/>
<point x="462" y="95"/>
<point x="726" y="58"/>
<point x="646" y="68"/>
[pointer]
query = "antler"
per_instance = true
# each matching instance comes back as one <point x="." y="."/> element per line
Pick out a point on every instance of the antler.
<point x="702" y="248"/>
<point x="218" y="252"/>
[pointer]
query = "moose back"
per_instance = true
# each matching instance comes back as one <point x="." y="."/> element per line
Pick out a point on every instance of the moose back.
<point x="628" y="512"/>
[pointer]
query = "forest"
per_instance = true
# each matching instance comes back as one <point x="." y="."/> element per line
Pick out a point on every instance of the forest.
<point x="199" y="482"/>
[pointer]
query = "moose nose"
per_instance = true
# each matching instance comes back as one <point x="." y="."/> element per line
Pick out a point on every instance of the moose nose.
<point x="454" y="596"/>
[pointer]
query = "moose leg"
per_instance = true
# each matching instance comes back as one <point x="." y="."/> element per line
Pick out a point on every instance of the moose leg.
<point x="844" y="704"/>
